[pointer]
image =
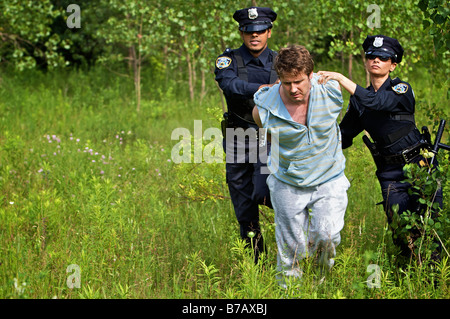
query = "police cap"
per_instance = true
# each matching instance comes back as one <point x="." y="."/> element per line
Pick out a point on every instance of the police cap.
<point x="383" y="46"/>
<point x="255" y="19"/>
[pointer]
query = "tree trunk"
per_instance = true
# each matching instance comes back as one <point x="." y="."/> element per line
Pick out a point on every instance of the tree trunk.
<point x="203" y="87"/>
<point x="190" y="76"/>
<point x="136" y="76"/>
<point x="363" y="56"/>
<point x="350" y="66"/>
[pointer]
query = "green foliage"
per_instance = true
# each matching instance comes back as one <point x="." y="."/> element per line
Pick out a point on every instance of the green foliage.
<point x="28" y="40"/>
<point x="436" y="22"/>
<point x="427" y="229"/>
<point x="86" y="181"/>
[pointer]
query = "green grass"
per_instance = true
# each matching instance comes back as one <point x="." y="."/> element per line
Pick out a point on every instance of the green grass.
<point x="85" y="180"/>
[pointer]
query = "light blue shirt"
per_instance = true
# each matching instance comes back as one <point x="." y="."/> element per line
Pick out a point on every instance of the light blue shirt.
<point x="304" y="155"/>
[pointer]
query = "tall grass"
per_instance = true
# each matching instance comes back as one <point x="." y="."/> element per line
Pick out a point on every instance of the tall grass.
<point x="87" y="181"/>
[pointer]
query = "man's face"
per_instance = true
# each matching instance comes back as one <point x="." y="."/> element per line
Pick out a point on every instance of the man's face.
<point x="256" y="41"/>
<point x="296" y="88"/>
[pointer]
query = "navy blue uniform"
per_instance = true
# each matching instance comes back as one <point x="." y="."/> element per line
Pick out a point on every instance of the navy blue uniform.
<point x="388" y="116"/>
<point x="246" y="184"/>
<point x="239" y="75"/>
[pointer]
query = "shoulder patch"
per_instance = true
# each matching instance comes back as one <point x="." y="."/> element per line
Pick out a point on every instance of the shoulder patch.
<point x="223" y="62"/>
<point x="400" y="88"/>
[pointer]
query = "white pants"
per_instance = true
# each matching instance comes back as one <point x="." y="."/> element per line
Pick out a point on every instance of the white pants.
<point x="308" y="221"/>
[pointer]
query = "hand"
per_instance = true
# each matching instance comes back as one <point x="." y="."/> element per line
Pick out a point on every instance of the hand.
<point x="346" y="83"/>
<point x="269" y="85"/>
<point x="325" y="76"/>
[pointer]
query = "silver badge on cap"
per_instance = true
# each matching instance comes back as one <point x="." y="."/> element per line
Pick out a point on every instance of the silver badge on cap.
<point x="378" y="42"/>
<point x="252" y="13"/>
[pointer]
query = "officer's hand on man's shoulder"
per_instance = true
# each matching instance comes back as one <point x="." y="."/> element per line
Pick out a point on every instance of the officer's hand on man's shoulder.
<point x="269" y="85"/>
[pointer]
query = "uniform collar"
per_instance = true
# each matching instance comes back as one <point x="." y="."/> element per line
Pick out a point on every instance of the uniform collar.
<point x="383" y="86"/>
<point x="247" y="56"/>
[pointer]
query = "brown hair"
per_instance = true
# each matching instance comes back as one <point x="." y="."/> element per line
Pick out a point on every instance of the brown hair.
<point x="293" y="60"/>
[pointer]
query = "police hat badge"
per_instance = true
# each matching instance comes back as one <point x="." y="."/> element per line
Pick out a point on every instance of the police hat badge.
<point x="223" y="62"/>
<point x="252" y="13"/>
<point x="378" y="42"/>
<point x="400" y="88"/>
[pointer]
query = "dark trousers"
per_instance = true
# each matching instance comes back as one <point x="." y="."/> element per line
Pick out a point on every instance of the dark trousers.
<point x="246" y="174"/>
<point x="395" y="191"/>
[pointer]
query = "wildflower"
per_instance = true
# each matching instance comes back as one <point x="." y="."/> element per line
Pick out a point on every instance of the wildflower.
<point x="102" y="172"/>
<point x="422" y="163"/>
<point x="20" y="288"/>
<point x="78" y="140"/>
<point x="40" y="170"/>
<point x="12" y="203"/>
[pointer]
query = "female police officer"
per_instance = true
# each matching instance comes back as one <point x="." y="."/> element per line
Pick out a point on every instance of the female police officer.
<point x="385" y="110"/>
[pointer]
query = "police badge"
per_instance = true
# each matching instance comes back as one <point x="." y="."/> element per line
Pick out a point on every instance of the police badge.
<point x="378" y="42"/>
<point x="400" y="88"/>
<point x="223" y="62"/>
<point x="252" y="13"/>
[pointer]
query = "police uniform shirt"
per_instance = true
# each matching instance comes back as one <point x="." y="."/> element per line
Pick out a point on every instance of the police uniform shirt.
<point x="226" y="72"/>
<point x="375" y="112"/>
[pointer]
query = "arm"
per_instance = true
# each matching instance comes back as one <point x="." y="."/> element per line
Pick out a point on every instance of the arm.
<point x="350" y="125"/>
<point x="256" y="117"/>
<point x="386" y="100"/>
<point x="345" y="82"/>
<point x="232" y="85"/>
<point x="226" y="72"/>
<point x="258" y="122"/>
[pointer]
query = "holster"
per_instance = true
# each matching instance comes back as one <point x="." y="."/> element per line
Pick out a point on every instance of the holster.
<point x="373" y="150"/>
<point x="224" y="124"/>
<point x="426" y="135"/>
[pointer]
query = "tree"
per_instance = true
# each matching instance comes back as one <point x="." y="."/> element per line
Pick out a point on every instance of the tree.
<point x="132" y="31"/>
<point x="27" y="37"/>
<point x="436" y="22"/>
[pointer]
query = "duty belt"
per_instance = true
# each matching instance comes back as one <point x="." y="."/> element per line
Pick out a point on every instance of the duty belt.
<point x="406" y="156"/>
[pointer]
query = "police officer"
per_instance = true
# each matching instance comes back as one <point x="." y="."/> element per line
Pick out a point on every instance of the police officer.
<point x="385" y="110"/>
<point x="239" y="73"/>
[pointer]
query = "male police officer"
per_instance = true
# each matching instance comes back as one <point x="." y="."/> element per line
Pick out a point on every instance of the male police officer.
<point x="240" y="73"/>
<point x="386" y="111"/>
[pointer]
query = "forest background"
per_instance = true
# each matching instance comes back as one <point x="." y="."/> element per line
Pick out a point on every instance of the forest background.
<point x="92" y="204"/>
